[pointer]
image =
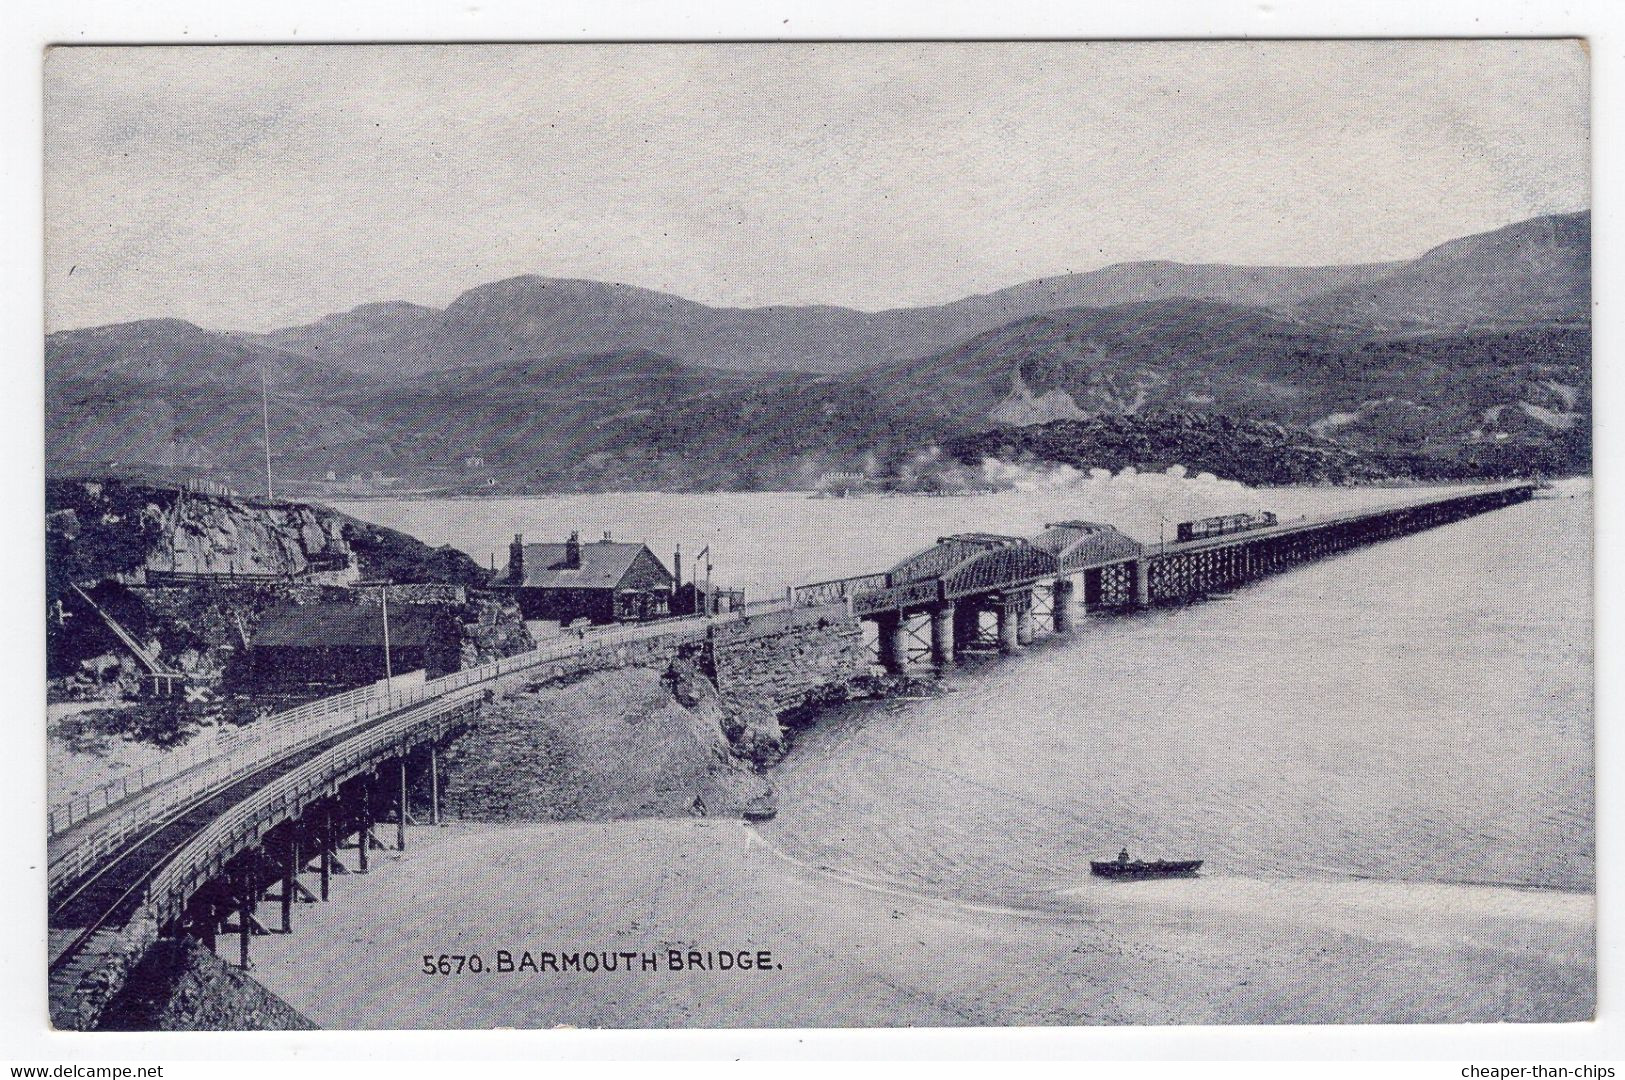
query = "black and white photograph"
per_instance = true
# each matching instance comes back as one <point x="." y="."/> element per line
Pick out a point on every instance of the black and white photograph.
<point x="817" y="534"/>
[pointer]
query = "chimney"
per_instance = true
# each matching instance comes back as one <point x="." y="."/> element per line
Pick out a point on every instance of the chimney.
<point x="572" y="551"/>
<point x="677" y="568"/>
<point x="516" y="560"/>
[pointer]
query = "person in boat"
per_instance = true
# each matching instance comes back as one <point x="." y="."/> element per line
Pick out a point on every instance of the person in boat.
<point x="1122" y="857"/>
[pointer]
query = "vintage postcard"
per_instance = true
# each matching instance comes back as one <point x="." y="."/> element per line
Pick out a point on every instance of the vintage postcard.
<point x="819" y="535"/>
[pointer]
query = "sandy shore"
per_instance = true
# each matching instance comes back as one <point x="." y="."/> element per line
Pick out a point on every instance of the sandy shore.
<point x="846" y="952"/>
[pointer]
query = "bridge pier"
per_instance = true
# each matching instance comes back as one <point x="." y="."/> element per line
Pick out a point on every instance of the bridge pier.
<point x="1061" y="605"/>
<point x="1009" y="634"/>
<point x="327" y="850"/>
<point x="245" y="918"/>
<point x="1142" y="583"/>
<point x="943" y="618"/>
<point x="967" y="624"/>
<point x="1025" y="631"/>
<point x="363" y="821"/>
<point x="893" y="651"/>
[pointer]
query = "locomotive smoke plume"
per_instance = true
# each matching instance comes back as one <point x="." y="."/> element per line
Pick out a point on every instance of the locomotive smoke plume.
<point x="1147" y="505"/>
<point x="932" y="470"/>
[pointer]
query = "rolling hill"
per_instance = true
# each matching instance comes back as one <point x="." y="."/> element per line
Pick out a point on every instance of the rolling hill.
<point x="1533" y="271"/>
<point x="1475" y="357"/>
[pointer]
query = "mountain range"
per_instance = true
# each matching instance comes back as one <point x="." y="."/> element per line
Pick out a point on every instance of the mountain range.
<point x="1475" y="352"/>
<point x="544" y="317"/>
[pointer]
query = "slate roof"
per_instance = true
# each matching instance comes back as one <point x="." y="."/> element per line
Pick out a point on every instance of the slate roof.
<point x="310" y="625"/>
<point x="603" y="564"/>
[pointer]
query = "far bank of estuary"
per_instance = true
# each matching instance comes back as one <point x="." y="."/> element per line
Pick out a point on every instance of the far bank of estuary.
<point x="1385" y="757"/>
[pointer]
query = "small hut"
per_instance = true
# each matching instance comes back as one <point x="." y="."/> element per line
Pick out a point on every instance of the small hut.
<point x="337" y="646"/>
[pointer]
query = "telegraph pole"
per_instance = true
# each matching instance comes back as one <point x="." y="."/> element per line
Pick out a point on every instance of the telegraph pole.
<point x="389" y="668"/>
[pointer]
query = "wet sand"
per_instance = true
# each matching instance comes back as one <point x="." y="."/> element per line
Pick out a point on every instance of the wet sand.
<point x="1213" y="950"/>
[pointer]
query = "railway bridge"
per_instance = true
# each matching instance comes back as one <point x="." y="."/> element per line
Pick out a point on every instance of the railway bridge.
<point x="198" y="843"/>
<point x="981" y="590"/>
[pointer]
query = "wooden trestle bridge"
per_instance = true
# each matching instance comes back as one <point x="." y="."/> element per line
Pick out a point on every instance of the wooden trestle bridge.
<point x="980" y="590"/>
<point x="300" y="797"/>
<point x="283" y="808"/>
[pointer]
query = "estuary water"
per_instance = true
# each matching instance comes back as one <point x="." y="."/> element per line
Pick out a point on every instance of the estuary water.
<point x="1416" y="711"/>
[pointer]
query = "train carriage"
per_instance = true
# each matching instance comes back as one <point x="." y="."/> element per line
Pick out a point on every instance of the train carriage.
<point x="1223" y="525"/>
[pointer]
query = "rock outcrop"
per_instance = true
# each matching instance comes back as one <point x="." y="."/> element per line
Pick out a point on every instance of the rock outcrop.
<point x="213" y="535"/>
<point x="190" y="574"/>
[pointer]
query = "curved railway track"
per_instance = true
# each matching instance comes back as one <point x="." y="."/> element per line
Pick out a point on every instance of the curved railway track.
<point x="110" y="894"/>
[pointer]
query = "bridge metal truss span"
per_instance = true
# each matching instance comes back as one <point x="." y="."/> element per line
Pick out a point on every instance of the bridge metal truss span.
<point x="999" y="568"/>
<point x="1081" y="546"/>
<point x="1184" y="571"/>
<point x="839" y="591"/>
<point x="942" y="558"/>
<point x="986" y="570"/>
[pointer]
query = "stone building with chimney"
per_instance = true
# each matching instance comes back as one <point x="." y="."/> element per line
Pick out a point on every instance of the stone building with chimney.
<point x="603" y="581"/>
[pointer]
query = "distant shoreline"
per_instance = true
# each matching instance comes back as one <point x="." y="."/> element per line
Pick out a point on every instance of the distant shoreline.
<point x="1378" y="485"/>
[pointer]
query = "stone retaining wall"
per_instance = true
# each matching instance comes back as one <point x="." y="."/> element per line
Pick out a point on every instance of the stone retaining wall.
<point x="81" y="991"/>
<point x="781" y="661"/>
<point x="775" y="661"/>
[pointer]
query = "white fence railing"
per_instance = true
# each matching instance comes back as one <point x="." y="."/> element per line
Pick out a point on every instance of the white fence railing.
<point x="318" y="720"/>
<point x="217" y="744"/>
<point x="188" y="867"/>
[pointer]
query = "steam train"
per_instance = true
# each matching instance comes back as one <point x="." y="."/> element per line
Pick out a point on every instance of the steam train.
<point x="1221" y="526"/>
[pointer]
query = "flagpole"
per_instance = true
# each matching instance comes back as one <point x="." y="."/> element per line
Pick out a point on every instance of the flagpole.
<point x="265" y="429"/>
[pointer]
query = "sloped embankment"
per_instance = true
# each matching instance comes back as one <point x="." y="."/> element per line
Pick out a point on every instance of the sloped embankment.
<point x="181" y="986"/>
<point x="633" y="742"/>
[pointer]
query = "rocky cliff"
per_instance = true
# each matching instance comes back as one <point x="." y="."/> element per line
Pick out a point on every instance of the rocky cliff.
<point x="102" y="528"/>
<point x="229" y="536"/>
<point x="190" y="575"/>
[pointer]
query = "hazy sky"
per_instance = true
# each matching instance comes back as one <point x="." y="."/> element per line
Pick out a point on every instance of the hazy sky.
<point x="250" y="188"/>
